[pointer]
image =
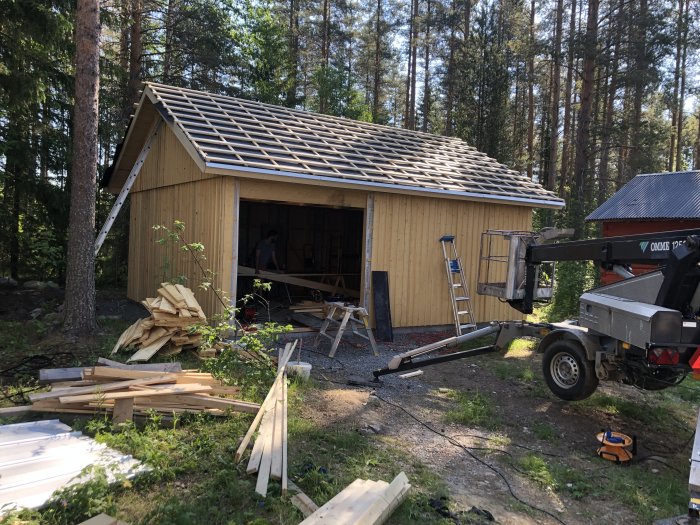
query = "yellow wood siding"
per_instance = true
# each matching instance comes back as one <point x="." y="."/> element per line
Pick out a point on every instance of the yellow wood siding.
<point x="167" y="163"/>
<point x="301" y="194"/>
<point x="207" y="209"/>
<point x="405" y="243"/>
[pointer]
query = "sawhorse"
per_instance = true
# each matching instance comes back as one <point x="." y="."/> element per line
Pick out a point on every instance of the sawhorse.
<point x="354" y="315"/>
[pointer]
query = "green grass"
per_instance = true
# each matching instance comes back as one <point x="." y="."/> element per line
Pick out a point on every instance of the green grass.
<point x="472" y="409"/>
<point x="545" y="431"/>
<point x="194" y="479"/>
<point x="619" y="406"/>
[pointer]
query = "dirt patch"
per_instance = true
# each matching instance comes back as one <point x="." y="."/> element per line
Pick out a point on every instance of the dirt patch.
<point x="540" y="446"/>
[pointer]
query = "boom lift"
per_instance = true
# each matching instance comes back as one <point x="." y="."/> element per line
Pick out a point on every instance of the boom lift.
<point x="642" y="330"/>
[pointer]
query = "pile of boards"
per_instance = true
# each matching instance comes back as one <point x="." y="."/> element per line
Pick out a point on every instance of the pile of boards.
<point x="169" y="329"/>
<point x="269" y="455"/>
<point x="363" y="502"/>
<point x="126" y="392"/>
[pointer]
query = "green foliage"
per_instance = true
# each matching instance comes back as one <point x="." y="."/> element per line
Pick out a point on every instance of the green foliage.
<point x="473" y="409"/>
<point x="573" y="278"/>
<point x="544" y="431"/>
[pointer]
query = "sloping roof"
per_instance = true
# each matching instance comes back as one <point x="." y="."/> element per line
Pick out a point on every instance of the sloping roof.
<point x="673" y="195"/>
<point x="230" y="134"/>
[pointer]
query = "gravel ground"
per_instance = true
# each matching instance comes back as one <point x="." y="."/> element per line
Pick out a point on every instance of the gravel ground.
<point x="390" y="408"/>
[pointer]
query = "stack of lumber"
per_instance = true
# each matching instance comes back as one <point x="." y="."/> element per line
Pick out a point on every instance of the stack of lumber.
<point x="168" y="330"/>
<point x="269" y="455"/>
<point x="313" y="308"/>
<point x="363" y="502"/>
<point x="129" y="392"/>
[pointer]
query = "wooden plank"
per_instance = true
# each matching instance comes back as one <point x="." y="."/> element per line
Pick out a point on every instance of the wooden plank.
<point x="285" y="481"/>
<point x="266" y="402"/>
<point x="276" y="463"/>
<point x="353" y="507"/>
<point x="267" y="437"/>
<point x="145" y="353"/>
<point x="167" y="307"/>
<point x="49" y="375"/>
<point x="207" y="401"/>
<point x="179" y="389"/>
<point x="324" y="514"/>
<point x="153" y="336"/>
<point x="106" y="387"/>
<point x="256" y="454"/>
<point x="301" y="501"/>
<point x="15" y="411"/>
<point x="123" y="373"/>
<point x="123" y="410"/>
<point x="390" y="498"/>
<point x="296" y="281"/>
<point x="125" y="335"/>
<point x="411" y="374"/>
<point x="155" y="367"/>
<point x="368" y="235"/>
<point x="173" y="295"/>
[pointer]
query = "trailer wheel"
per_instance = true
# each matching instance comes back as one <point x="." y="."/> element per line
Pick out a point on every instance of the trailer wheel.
<point x="567" y="371"/>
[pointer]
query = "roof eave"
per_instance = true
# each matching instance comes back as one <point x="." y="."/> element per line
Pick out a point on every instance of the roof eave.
<point x="215" y="168"/>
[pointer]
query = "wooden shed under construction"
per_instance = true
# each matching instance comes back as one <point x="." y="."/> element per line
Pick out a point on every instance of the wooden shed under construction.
<point x="346" y="197"/>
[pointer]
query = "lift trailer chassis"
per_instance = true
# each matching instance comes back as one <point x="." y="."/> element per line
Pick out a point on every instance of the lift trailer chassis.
<point x="506" y="332"/>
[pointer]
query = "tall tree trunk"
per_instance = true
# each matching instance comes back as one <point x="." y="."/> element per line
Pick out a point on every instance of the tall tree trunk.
<point x="377" y="65"/>
<point x="294" y="53"/>
<point x="450" y="75"/>
<point x="675" y="106"/>
<point x="603" y="177"/>
<point x="639" y="32"/>
<point x="581" y="160"/>
<point x="426" y="77"/>
<point x="409" y="65"/>
<point x="414" y="67"/>
<point x="531" y="94"/>
<point x="696" y="160"/>
<point x="681" y="93"/>
<point x="556" y="89"/>
<point x="325" y="46"/>
<point x="170" y="18"/>
<point x="135" y="53"/>
<point x="568" y="88"/>
<point x="79" y="308"/>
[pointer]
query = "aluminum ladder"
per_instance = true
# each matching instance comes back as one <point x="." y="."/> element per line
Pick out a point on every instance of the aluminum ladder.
<point x="457" y="284"/>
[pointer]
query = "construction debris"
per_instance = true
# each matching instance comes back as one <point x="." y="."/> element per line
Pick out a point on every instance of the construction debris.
<point x="363" y="502"/>
<point x="170" y="328"/>
<point x="39" y="457"/>
<point x="126" y="392"/>
<point x="269" y="455"/>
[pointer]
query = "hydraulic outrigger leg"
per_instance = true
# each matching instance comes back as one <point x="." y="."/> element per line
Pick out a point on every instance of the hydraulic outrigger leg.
<point x="404" y="361"/>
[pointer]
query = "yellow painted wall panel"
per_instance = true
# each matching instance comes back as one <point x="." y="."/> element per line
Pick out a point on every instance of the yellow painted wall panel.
<point x="301" y="194"/>
<point x="167" y="163"/>
<point x="405" y="243"/>
<point x="207" y="209"/>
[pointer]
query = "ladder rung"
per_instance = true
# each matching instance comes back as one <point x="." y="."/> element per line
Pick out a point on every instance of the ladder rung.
<point x="457" y="285"/>
<point x="466" y="326"/>
<point x="463" y="312"/>
<point x="461" y="298"/>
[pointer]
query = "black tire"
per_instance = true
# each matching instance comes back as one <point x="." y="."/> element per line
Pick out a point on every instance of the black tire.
<point x="568" y="372"/>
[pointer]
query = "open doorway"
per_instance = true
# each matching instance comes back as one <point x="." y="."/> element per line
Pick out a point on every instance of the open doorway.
<point x="314" y="246"/>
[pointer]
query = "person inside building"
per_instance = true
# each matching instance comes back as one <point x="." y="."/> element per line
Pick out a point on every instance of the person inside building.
<point x="265" y="256"/>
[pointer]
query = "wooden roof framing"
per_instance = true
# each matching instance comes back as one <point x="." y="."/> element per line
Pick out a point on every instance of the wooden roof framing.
<point x="226" y="135"/>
